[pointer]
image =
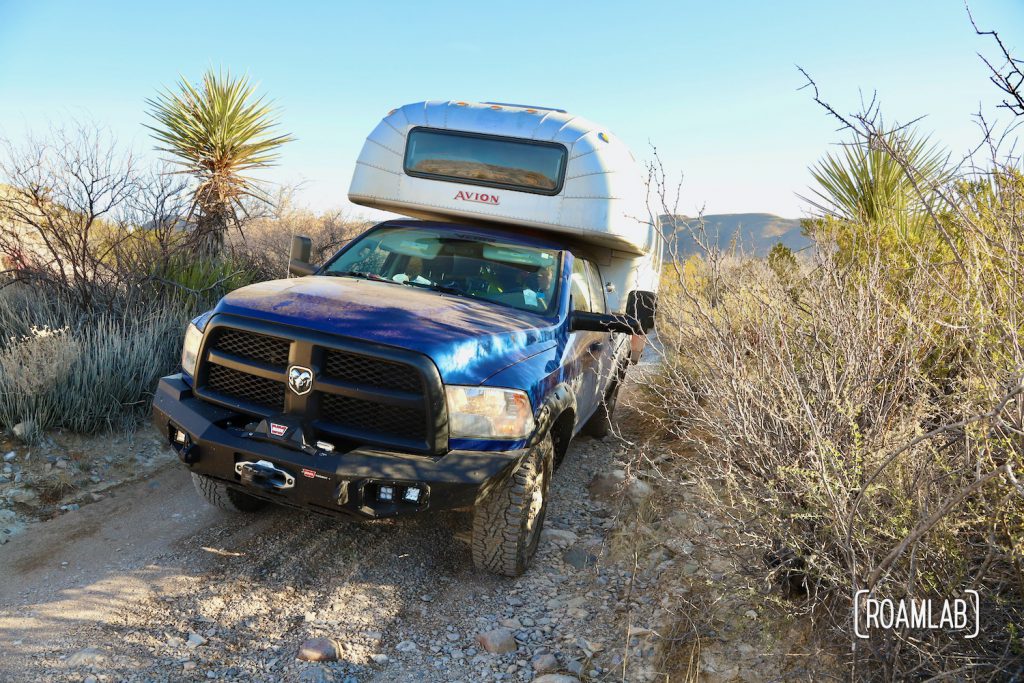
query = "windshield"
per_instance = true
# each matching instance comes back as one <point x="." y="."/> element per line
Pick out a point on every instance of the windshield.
<point x="455" y="263"/>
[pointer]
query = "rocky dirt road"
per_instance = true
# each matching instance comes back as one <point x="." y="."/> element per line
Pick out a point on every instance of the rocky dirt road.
<point x="152" y="584"/>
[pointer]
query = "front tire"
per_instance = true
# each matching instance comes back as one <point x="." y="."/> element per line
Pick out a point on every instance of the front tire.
<point x="600" y="423"/>
<point x="224" y="497"/>
<point x="508" y="521"/>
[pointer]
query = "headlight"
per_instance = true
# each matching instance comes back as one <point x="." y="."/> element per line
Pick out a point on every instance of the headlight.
<point x="488" y="413"/>
<point x="190" y="349"/>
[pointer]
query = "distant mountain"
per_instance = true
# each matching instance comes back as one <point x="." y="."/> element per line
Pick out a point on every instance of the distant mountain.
<point x="754" y="233"/>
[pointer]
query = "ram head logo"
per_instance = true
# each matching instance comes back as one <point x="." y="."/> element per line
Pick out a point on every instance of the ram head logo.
<point x="300" y="380"/>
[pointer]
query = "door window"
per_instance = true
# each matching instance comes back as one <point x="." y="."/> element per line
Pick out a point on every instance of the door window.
<point x="580" y="287"/>
<point x="597" y="301"/>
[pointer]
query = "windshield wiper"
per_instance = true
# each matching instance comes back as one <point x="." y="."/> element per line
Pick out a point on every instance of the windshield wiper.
<point x="359" y="274"/>
<point x="444" y="289"/>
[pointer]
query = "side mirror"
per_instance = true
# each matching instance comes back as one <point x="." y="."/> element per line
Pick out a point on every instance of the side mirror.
<point x="642" y="306"/>
<point x="298" y="258"/>
<point x="601" y="322"/>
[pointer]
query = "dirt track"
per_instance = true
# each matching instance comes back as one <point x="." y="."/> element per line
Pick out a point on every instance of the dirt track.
<point x="135" y="574"/>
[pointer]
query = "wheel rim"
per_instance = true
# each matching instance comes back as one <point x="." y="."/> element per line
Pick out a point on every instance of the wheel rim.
<point x="535" y="513"/>
<point x="536" y="506"/>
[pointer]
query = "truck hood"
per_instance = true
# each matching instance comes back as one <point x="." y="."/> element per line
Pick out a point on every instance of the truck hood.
<point x="468" y="339"/>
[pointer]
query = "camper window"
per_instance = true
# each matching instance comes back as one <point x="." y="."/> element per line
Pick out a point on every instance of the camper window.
<point x="487" y="160"/>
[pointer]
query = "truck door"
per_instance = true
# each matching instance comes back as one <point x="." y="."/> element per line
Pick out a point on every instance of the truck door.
<point x="585" y="348"/>
<point x="606" y="344"/>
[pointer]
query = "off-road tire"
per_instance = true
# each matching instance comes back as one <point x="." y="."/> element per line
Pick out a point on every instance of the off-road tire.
<point x="600" y="423"/>
<point x="224" y="497"/>
<point x="506" y="528"/>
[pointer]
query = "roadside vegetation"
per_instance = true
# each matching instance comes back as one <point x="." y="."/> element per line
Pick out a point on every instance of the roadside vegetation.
<point x="102" y="260"/>
<point x="857" y="409"/>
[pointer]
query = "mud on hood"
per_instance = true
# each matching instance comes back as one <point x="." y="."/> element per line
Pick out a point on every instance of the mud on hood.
<point x="469" y="340"/>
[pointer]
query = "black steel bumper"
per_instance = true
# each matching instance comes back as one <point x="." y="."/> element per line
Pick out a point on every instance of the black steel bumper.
<point x="342" y="482"/>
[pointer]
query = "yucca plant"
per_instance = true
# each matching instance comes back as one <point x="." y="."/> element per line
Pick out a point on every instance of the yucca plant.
<point x="880" y="194"/>
<point x="217" y="132"/>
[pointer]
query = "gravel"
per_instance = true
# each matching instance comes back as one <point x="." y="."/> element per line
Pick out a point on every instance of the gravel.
<point x="173" y="590"/>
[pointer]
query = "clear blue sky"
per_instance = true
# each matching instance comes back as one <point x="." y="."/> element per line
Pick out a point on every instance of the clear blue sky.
<point x="712" y="84"/>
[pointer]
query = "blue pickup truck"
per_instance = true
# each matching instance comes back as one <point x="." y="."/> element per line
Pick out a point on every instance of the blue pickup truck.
<point x="438" y="362"/>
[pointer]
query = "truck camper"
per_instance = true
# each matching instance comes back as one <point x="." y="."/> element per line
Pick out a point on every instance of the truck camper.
<point x="442" y="360"/>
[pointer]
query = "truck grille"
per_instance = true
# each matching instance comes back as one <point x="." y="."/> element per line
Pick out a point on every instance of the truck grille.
<point x="269" y="350"/>
<point x="349" y="367"/>
<point x="361" y="392"/>
<point x="372" y="418"/>
<point x="245" y="387"/>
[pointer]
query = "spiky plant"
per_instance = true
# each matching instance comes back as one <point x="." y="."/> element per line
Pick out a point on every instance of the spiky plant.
<point x="218" y="132"/>
<point x="886" y="187"/>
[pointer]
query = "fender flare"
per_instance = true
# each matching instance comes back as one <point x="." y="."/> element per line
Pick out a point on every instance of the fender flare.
<point x="557" y="401"/>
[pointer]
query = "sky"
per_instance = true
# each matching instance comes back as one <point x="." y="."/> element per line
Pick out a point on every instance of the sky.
<point x="713" y="85"/>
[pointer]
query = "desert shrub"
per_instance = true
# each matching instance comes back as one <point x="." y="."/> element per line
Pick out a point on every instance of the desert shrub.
<point x="267" y="238"/>
<point x="862" y="416"/>
<point x="59" y="370"/>
<point x="101" y="267"/>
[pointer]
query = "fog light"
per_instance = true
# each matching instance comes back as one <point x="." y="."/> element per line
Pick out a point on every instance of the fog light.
<point x="412" y="494"/>
<point x="180" y="437"/>
<point x="386" y="493"/>
<point x="325" y="446"/>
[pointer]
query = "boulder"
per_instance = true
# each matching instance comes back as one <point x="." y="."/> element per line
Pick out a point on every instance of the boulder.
<point x="499" y="641"/>
<point x="318" y="650"/>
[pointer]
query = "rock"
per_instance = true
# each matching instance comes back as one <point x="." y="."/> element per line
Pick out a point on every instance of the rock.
<point x="574" y="666"/>
<point x="21" y="430"/>
<point x="546" y="663"/>
<point x="318" y="650"/>
<point x="407" y="646"/>
<point x="8" y="457"/>
<point x="607" y="485"/>
<point x="195" y="640"/>
<point x="556" y="678"/>
<point x="750" y="614"/>
<point x="379" y="658"/>
<point x="638" y="491"/>
<point x="315" y="674"/>
<point x="90" y="656"/>
<point x="560" y="537"/>
<point x="512" y="623"/>
<point x="23" y="496"/>
<point x="499" y="641"/>
<point x="579" y="558"/>
<point x="427" y="598"/>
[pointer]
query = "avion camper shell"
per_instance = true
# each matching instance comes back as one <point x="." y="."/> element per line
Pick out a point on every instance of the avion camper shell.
<point x="440" y="361"/>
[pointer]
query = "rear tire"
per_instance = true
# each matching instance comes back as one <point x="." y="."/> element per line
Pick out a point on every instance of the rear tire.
<point x="224" y="497"/>
<point x="508" y="521"/>
<point x="600" y="423"/>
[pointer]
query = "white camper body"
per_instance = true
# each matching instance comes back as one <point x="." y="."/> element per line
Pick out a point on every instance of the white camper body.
<point x="577" y="180"/>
